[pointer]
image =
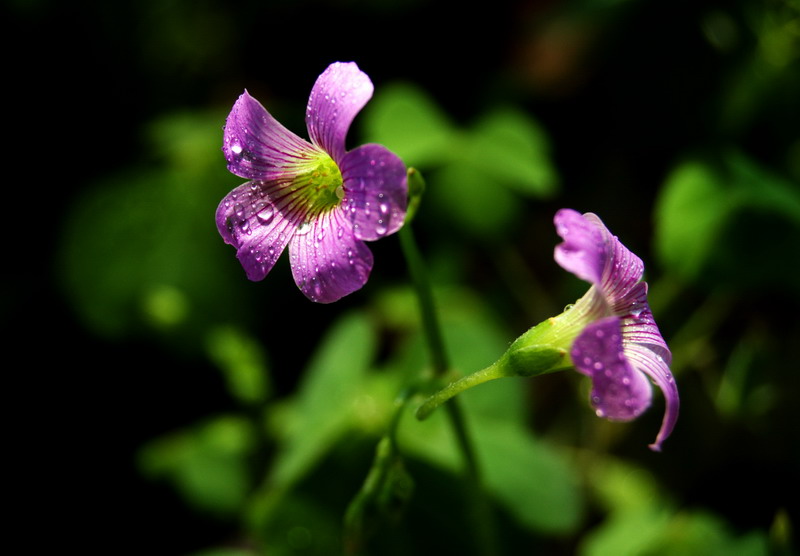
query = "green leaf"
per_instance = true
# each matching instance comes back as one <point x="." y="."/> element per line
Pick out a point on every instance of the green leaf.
<point x="536" y="483"/>
<point x="242" y="361"/>
<point x="140" y="249"/>
<point x="207" y="463"/>
<point x="729" y="221"/>
<point x="690" y="215"/>
<point x="465" y="198"/>
<point x="325" y="403"/>
<point x="508" y="146"/>
<point x="404" y="118"/>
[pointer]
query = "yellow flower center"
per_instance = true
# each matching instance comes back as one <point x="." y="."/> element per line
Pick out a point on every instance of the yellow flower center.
<point x="319" y="185"/>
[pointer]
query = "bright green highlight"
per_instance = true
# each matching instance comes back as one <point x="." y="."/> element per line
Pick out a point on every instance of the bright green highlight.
<point x="319" y="184"/>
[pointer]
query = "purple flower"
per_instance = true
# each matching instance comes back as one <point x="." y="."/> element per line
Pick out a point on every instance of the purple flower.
<point x="619" y="346"/>
<point x="321" y="200"/>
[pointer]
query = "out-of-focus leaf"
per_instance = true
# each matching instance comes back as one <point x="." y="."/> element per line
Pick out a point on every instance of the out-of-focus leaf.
<point x="729" y="221"/>
<point x="508" y="146"/>
<point x="640" y="520"/>
<point x="325" y="407"/>
<point x="141" y="248"/>
<point x="467" y="199"/>
<point x="537" y="484"/>
<point x="207" y="464"/>
<point x="242" y="361"/>
<point x="474" y="175"/>
<point x="655" y="532"/>
<point x="405" y="119"/>
<point x="689" y="217"/>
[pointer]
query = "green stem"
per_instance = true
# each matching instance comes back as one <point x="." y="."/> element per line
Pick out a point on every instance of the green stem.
<point x="422" y="285"/>
<point x="386" y="458"/>
<point x="480" y="508"/>
<point x="454" y="388"/>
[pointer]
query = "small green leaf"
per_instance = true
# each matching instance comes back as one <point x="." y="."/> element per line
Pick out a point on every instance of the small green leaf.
<point x="242" y="361"/>
<point x="324" y="407"/>
<point x="466" y="198"/>
<point x="406" y="120"/>
<point x="508" y="146"/>
<point x="207" y="463"/>
<point x="728" y="220"/>
<point x="690" y="215"/>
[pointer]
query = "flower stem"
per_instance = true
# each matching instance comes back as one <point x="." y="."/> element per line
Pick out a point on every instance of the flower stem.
<point x="480" y="508"/>
<point x="454" y="388"/>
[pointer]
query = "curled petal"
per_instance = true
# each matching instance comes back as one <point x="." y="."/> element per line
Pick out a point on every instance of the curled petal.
<point x="654" y="366"/>
<point x="623" y="270"/>
<point x="376" y="191"/>
<point x="643" y="330"/>
<point x="337" y="96"/>
<point x="593" y="254"/>
<point x="619" y="391"/>
<point x="583" y="251"/>
<point x="327" y="261"/>
<point x="253" y="220"/>
<point x="257" y="146"/>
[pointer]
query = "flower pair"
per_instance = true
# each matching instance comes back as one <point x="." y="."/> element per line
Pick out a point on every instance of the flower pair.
<point x="324" y="202"/>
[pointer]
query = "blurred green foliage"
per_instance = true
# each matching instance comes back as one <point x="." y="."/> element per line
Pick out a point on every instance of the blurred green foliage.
<point x="694" y="147"/>
<point x="480" y="173"/>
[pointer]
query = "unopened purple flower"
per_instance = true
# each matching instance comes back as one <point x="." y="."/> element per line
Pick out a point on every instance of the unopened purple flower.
<point x="619" y="346"/>
<point x="317" y="198"/>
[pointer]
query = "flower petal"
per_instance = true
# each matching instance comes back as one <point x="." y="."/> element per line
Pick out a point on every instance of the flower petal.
<point x="619" y="392"/>
<point x="623" y="270"/>
<point x="376" y="193"/>
<point x="337" y="96"/>
<point x="639" y="326"/>
<point x="654" y="366"/>
<point x="583" y="251"/>
<point x="593" y="254"/>
<point x="253" y="220"/>
<point x="257" y="146"/>
<point x="327" y="261"/>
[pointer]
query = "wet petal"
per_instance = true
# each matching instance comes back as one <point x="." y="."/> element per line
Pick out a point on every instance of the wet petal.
<point x="338" y="95"/>
<point x="619" y="391"/>
<point x="257" y="146"/>
<point x="327" y="261"/>
<point x="653" y="365"/>
<point x="642" y="330"/>
<point x="623" y="270"/>
<point x="583" y="251"/>
<point x="253" y="218"/>
<point x="375" y="191"/>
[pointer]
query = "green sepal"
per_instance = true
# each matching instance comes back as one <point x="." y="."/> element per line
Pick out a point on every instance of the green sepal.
<point x="534" y="360"/>
<point x="416" y="188"/>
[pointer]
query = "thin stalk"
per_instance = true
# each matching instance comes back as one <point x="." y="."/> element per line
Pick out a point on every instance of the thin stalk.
<point x="480" y="509"/>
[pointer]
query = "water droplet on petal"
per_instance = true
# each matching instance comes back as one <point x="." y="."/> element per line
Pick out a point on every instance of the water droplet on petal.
<point x="303" y="228"/>
<point x="380" y="229"/>
<point x="598" y="365"/>
<point x="265" y="214"/>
